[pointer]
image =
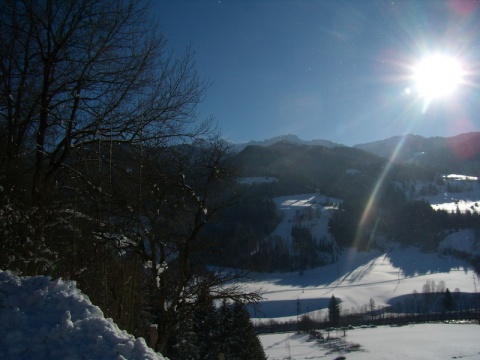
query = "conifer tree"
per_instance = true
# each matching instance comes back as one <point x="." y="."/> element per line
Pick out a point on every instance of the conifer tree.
<point x="238" y="337"/>
<point x="248" y="344"/>
<point x="334" y="311"/>
<point x="448" y="301"/>
<point x="206" y="328"/>
<point x="224" y="326"/>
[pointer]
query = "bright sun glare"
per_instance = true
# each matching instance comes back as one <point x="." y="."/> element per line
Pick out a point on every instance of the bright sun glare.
<point x="437" y="76"/>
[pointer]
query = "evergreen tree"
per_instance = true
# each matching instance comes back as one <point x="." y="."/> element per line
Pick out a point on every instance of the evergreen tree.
<point x="183" y="341"/>
<point x="448" y="302"/>
<point x="334" y="311"/>
<point x="206" y="327"/>
<point x="238" y="337"/>
<point x="248" y="345"/>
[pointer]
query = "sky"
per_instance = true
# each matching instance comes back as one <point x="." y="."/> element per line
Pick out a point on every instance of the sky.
<point x="323" y="69"/>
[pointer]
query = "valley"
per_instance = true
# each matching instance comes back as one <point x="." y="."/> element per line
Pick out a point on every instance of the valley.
<point x="396" y="279"/>
<point x="386" y="272"/>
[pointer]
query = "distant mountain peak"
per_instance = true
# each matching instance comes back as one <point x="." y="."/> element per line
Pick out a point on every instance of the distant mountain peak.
<point x="459" y="152"/>
<point x="294" y="139"/>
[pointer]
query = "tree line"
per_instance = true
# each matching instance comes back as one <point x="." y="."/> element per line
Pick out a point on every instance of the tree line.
<point x="434" y="303"/>
<point x="410" y="222"/>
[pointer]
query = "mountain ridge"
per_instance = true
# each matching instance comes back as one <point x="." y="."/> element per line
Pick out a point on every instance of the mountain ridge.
<point x="460" y="152"/>
<point x="456" y="153"/>
<point x="287" y="138"/>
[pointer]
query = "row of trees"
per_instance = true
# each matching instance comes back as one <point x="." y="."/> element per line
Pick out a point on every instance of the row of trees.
<point x="436" y="298"/>
<point x="409" y="222"/>
<point x="107" y="176"/>
<point x="435" y="303"/>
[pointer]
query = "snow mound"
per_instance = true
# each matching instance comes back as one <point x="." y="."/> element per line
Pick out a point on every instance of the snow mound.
<point x="45" y="319"/>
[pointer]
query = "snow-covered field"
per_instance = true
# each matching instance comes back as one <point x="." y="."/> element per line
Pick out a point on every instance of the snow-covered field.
<point x="466" y="196"/>
<point x="383" y="276"/>
<point x="44" y="319"/>
<point x="357" y="278"/>
<point x="411" y="342"/>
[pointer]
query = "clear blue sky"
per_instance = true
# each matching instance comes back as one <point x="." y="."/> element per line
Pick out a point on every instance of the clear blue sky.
<point x="327" y="69"/>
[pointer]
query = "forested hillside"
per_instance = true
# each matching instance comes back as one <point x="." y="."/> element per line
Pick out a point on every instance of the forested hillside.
<point x="381" y="201"/>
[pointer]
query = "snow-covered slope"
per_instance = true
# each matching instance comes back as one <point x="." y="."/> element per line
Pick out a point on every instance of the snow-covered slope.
<point x="310" y="211"/>
<point x="44" y="319"/>
<point x="384" y="276"/>
<point x="356" y="278"/>
<point x="457" y="193"/>
<point x="465" y="241"/>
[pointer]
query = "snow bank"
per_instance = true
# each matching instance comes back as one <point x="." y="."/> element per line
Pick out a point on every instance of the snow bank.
<point x="44" y="319"/>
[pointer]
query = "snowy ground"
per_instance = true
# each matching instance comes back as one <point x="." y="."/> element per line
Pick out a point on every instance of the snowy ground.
<point x="44" y="319"/>
<point x="411" y="342"/>
<point x="357" y="278"/>
<point x="379" y="275"/>
<point x="466" y="198"/>
<point x="315" y="208"/>
<point x="464" y="240"/>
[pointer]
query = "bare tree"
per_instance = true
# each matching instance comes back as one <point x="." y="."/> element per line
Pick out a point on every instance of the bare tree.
<point x="178" y="195"/>
<point x="94" y="108"/>
<point x="372" y="308"/>
<point x="77" y="78"/>
<point x="75" y="73"/>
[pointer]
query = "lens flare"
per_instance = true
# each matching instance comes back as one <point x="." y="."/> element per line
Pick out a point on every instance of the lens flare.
<point x="437" y="76"/>
<point x="368" y="211"/>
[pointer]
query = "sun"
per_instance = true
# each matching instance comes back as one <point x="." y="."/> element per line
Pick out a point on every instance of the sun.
<point x="437" y="76"/>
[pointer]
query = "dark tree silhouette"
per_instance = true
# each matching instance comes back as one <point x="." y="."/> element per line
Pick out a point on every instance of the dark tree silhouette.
<point x="334" y="311"/>
<point x="448" y="301"/>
